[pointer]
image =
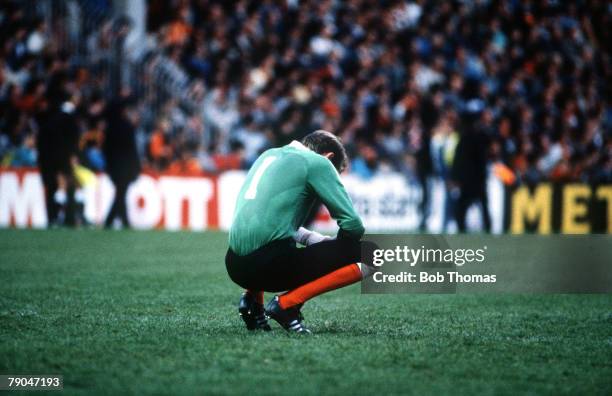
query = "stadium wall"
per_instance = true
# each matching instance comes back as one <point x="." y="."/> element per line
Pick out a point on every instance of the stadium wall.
<point x="387" y="203"/>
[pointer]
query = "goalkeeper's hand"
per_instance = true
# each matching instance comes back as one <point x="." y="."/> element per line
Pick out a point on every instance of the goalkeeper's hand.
<point x="307" y="237"/>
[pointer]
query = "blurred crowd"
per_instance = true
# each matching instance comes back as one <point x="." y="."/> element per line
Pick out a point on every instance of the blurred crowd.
<point x="420" y="87"/>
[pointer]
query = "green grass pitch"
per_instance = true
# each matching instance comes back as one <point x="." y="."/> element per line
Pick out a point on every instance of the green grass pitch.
<point x="154" y="313"/>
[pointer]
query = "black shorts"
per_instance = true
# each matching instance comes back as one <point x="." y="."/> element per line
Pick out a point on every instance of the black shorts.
<point x="281" y="265"/>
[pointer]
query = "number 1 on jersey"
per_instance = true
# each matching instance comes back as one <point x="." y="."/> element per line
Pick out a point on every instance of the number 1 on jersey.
<point x="251" y="192"/>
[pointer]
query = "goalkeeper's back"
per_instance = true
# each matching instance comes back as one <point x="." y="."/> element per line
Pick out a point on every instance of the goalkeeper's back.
<point x="280" y="190"/>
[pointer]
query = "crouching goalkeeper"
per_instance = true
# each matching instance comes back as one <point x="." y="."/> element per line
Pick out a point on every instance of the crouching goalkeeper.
<point x="280" y="190"/>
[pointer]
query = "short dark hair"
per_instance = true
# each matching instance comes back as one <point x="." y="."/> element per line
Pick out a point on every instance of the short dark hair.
<point x="322" y="142"/>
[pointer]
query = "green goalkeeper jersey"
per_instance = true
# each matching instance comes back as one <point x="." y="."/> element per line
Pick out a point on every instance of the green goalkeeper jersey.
<point x="280" y="190"/>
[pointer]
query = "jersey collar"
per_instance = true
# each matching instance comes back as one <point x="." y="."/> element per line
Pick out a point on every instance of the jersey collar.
<point x="298" y="145"/>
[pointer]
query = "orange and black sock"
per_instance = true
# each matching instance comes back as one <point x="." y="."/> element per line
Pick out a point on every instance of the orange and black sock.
<point x="334" y="280"/>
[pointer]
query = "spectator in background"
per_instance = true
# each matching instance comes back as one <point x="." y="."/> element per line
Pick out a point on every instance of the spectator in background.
<point x="38" y="37"/>
<point x="221" y="112"/>
<point x="178" y="30"/>
<point x="443" y="144"/>
<point x="253" y="140"/>
<point x="58" y="142"/>
<point x="469" y="172"/>
<point x="233" y="160"/>
<point x="91" y="145"/>
<point x="160" y="150"/>
<point x="187" y="164"/>
<point x="25" y="155"/>
<point x="122" y="161"/>
<point x="366" y="162"/>
<point x="420" y="139"/>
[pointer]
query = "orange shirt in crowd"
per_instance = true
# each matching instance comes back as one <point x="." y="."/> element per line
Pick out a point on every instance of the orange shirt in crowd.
<point x="188" y="167"/>
<point x="177" y="33"/>
<point x="157" y="146"/>
<point x="331" y="109"/>
<point x="225" y="162"/>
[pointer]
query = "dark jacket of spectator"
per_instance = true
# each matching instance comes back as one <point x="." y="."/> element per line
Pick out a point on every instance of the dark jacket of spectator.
<point x="57" y="144"/>
<point x="469" y="169"/>
<point x="58" y="139"/>
<point x="120" y="151"/>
